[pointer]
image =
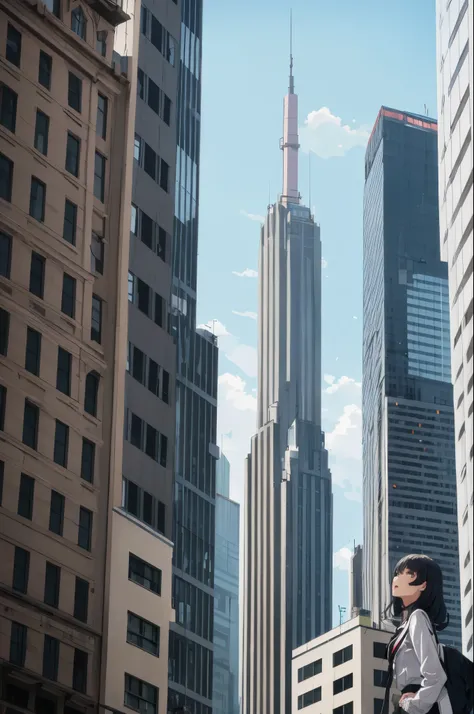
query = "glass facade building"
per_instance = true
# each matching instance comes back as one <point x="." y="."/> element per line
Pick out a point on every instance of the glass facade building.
<point x="409" y="474"/>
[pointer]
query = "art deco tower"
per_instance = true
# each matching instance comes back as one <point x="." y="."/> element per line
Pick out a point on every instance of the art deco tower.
<point x="288" y="521"/>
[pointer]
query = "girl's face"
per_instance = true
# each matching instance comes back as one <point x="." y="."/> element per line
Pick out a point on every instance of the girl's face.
<point x="402" y="586"/>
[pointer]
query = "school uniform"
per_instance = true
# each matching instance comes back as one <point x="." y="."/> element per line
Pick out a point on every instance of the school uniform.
<point x="417" y="667"/>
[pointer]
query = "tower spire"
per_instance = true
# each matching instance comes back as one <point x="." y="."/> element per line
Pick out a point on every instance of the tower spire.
<point x="291" y="87"/>
<point x="289" y="144"/>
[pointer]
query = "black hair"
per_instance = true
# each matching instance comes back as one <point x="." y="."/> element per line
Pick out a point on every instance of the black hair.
<point x="431" y="599"/>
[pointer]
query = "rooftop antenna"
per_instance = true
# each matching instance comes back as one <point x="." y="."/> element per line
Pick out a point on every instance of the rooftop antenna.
<point x="292" y="82"/>
<point x="309" y="179"/>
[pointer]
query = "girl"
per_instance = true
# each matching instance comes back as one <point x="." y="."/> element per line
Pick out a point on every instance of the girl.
<point x="417" y="596"/>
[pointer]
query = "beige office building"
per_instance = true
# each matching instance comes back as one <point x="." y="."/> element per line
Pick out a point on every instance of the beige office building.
<point x="341" y="672"/>
<point x="67" y="113"/>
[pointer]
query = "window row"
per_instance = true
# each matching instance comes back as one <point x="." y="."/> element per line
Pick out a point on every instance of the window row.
<point x="155" y="97"/>
<point x="147" y="301"/>
<point x="143" y="634"/>
<point x="51" y="657"/>
<point x="150" y="233"/>
<point x="144" y="574"/>
<point x="146" y="438"/>
<point x="151" y="163"/>
<point x="158" y="36"/>
<point x="148" y="372"/>
<point x="190" y="665"/>
<point x="194" y="608"/>
<point x="308" y="698"/>
<point x="143" y="505"/>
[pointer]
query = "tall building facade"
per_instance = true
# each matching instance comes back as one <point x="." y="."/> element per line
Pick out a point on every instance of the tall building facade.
<point x="66" y="142"/>
<point x="196" y="454"/>
<point x="355" y="581"/>
<point x="225" y="688"/>
<point x="455" y="112"/>
<point x="288" y="521"/>
<point x="409" y="478"/>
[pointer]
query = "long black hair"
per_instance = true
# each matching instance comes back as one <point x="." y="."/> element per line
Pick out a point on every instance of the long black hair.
<point x="431" y="599"/>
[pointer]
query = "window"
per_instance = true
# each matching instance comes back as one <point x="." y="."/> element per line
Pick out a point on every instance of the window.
<point x="81" y="599"/>
<point x="310" y="670"/>
<point x="141" y="696"/>
<point x="84" y="538"/>
<point x="54" y="6"/>
<point x="63" y="372"/>
<point x="380" y="677"/>
<point x="68" y="297"/>
<point x="101" y="43"/>
<point x="136" y="431"/>
<point x="88" y="460"/>
<point x="41" y="132"/>
<point x="30" y="425"/>
<point x="99" y="176"/>
<point x="73" y="153"/>
<point x="342" y="656"/>
<point x="37" y="199"/>
<point x="137" y="149"/>
<point x="97" y="254"/>
<point x="165" y="391"/>
<point x="91" y="393"/>
<point x="146" y="232"/>
<point x="3" y="404"/>
<point x="144" y="574"/>
<point x="5" y="254"/>
<point x="138" y="365"/>
<point x="8" y="105"/>
<point x="380" y="650"/>
<point x="79" y="671"/>
<point x="2" y="473"/>
<point x="312" y="697"/>
<point x="340" y="685"/>
<point x="96" y="319"/>
<point x="45" y="69"/>
<point x="143" y="297"/>
<point x="56" y="513"/>
<point x="161" y="243"/>
<point x="378" y="704"/>
<point x="13" y="49"/>
<point x="159" y="309"/>
<point x="345" y="709"/>
<point x="26" y="497"/>
<point x="143" y="634"/>
<point x="164" y="175"/>
<point x="6" y="178"/>
<point x="149" y="162"/>
<point x="102" y="110"/>
<point x="70" y="222"/>
<point x="21" y="569"/>
<point x="37" y="270"/>
<point x="50" y="658"/>
<point x="52" y="581"/>
<point x="134" y="220"/>
<point x="18" y="644"/>
<point x="143" y="506"/>
<point x="78" y="22"/>
<point x="74" y="95"/>
<point x="33" y="351"/>
<point x="61" y="444"/>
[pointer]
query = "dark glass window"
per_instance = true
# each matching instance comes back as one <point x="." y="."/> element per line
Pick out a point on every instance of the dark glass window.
<point x="167" y="110"/>
<point x="308" y="698"/>
<point x="45" y="69"/>
<point x="165" y="393"/>
<point x="54" y="6"/>
<point x="136" y="431"/>
<point x="91" y="393"/>
<point x="18" y="644"/>
<point x="143" y="634"/>
<point x="88" y="460"/>
<point x="37" y="199"/>
<point x="141" y="696"/>
<point x="164" y="175"/>
<point x="99" y="176"/>
<point x="68" y="297"/>
<point x="343" y="683"/>
<point x="151" y="443"/>
<point x="5" y="255"/>
<point x="84" y="538"/>
<point x="21" y="569"/>
<point x="78" y="22"/>
<point x="96" y="320"/>
<point x="153" y="377"/>
<point x="33" y="351"/>
<point x="30" y="425"/>
<point x="146" y="233"/>
<point x="344" y="655"/>
<point x="61" y="444"/>
<point x="380" y="650"/>
<point x="157" y="33"/>
<point x="138" y="365"/>
<point x="73" y="154"/>
<point x="102" y="110"/>
<point x="161" y="244"/>
<point x="310" y="670"/>
<point x="41" y="132"/>
<point x="154" y="96"/>
<point x="26" y="496"/>
<point x="8" y="106"/>
<point x="159" y="309"/>
<point x="81" y="600"/>
<point x="143" y="297"/>
<point x="74" y="96"/>
<point x="70" y="222"/>
<point x="380" y="677"/>
<point x="378" y="704"/>
<point x="56" y="513"/>
<point x="163" y="450"/>
<point x="79" y="671"/>
<point x="50" y="658"/>
<point x="144" y="574"/>
<point x="6" y="178"/>
<point x="141" y="84"/>
<point x="132" y="504"/>
<point x="345" y="709"/>
<point x="13" y="49"/>
<point x="37" y="270"/>
<point x="63" y="373"/>
<point x="101" y="42"/>
<point x="97" y="254"/>
<point x="3" y="405"/>
<point x="52" y="582"/>
<point x="161" y="522"/>
<point x="149" y="162"/>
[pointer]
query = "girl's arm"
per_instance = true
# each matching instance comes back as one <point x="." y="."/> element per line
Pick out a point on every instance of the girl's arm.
<point x="431" y="670"/>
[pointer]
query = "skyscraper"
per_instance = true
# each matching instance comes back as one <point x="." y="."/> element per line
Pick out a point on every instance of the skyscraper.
<point x="225" y="689"/>
<point x="288" y="521"/>
<point x="456" y="114"/>
<point x="191" y="655"/>
<point x="409" y="479"/>
<point x="355" y="582"/>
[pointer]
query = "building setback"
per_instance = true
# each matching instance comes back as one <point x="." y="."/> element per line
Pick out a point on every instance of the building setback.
<point x="455" y="111"/>
<point x="409" y="478"/>
<point x="66" y="142"/>
<point x="288" y="521"/>
<point x="355" y="581"/>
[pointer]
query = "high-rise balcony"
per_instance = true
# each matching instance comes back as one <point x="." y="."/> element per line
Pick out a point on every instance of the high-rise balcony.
<point x="110" y="10"/>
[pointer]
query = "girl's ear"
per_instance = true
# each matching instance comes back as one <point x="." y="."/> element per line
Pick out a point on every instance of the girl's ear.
<point x="422" y="587"/>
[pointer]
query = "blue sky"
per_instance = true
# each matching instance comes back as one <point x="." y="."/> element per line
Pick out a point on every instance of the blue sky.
<point x="350" y="58"/>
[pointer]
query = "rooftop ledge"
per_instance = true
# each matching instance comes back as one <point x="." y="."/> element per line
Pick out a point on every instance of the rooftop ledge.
<point x="111" y="10"/>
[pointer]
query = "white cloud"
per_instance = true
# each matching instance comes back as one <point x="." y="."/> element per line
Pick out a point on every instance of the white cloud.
<point x="325" y="134"/>
<point x="329" y="378"/>
<point x="342" y="559"/>
<point x="253" y="216"/>
<point x="232" y="387"/>
<point x="346" y="437"/>
<point x="247" y="273"/>
<point x="324" y="263"/>
<point x="341" y="383"/>
<point x="244" y="356"/>
<point x="250" y="315"/>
